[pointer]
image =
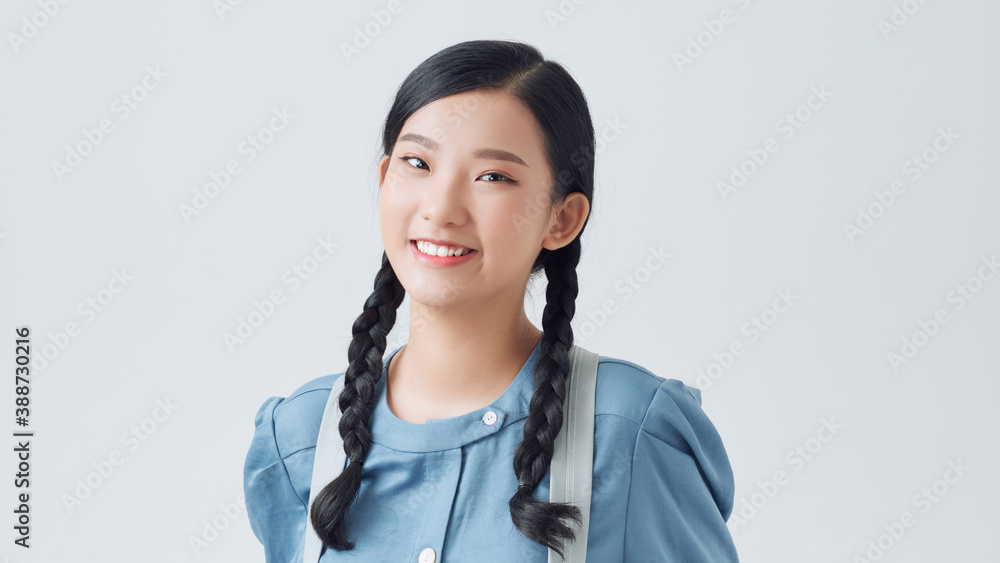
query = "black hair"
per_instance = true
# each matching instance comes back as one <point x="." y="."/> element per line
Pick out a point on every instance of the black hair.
<point x="559" y="106"/>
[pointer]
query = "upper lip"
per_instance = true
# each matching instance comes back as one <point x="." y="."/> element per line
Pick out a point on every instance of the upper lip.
<point x="440" y="242"/>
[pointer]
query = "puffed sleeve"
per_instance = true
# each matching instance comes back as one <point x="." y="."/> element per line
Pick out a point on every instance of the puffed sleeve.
<point x="277" y="514"/>
<point x="682" y="488"/>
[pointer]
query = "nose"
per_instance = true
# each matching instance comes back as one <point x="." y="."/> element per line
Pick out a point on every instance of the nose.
<point x="444" y="201"/>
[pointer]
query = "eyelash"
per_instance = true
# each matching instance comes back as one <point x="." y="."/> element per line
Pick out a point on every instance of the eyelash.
<point x="507" y="178"/>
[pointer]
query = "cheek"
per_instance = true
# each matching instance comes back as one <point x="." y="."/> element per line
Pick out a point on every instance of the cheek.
<point x="514" y="226"/>
<point x="533" y="214"/>
<point x="394" y="206"/>
<point x="392" y="223"/>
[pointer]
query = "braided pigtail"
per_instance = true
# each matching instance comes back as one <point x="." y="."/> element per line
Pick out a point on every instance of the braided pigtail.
<point x="542" y="521"/>
<point x="328" y="513"/>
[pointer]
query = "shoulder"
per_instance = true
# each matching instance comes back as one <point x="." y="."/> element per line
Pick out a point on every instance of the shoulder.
<point x="295" y="420"/>
<point x="675" y="439"/>
<point x="628" y="390"/>
<point x="666" y="414"/>
<point x="278" y="467"/>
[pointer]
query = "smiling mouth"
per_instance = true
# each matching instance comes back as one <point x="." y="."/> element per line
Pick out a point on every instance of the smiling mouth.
<point x="451" y="252"/>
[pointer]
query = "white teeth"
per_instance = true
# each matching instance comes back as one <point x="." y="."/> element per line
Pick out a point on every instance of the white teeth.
<point x="435" y="250"/>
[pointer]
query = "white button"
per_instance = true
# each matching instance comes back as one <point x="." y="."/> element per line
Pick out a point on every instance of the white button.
<point x="490" y="417"/>
<point x="428" y="555"/>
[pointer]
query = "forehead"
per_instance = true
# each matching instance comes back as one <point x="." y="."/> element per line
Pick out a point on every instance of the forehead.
<point x="482" y="117"/>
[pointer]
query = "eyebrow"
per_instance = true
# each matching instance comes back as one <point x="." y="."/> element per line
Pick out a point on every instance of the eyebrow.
<point x="486" y="153"/>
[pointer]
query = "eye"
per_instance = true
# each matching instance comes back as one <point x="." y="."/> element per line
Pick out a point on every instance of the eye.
<point x="410" y="159"/>
<point x="498" y="177"/>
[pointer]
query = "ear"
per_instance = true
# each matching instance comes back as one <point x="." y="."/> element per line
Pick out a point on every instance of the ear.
<point x="566" y="221"/>
<point x="383" y="166"/>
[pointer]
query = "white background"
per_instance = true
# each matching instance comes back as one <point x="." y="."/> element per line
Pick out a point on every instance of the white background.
<point x="826" y="357"/>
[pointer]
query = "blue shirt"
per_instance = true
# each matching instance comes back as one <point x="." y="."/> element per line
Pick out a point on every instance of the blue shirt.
<point x="662" y="482"/>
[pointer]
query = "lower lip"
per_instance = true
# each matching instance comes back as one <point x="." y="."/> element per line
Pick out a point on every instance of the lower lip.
<point x="439" y="261"/>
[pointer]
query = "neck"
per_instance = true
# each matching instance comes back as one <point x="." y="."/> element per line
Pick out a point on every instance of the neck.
<point x="457" y="361"/>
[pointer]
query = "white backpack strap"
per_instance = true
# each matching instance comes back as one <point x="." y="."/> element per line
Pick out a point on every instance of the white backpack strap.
<point x="329" y="462"/>
<point x="571" y="470"/>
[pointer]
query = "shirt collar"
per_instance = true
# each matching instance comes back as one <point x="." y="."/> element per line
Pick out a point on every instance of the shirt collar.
<point x="447" y="433"/>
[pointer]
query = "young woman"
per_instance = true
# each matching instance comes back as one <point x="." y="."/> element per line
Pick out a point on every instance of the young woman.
<point x="486" y="180"/>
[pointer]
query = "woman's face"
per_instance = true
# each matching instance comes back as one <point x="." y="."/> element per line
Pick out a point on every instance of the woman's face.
<point x="469" y="169"/>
